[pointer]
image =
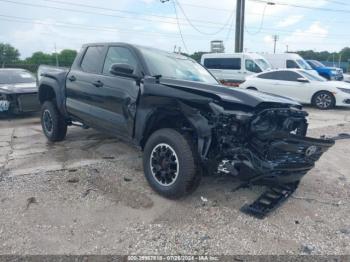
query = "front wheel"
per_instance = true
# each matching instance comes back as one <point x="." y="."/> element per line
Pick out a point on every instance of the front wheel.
<point x="52" y="122"/>
<point x="169" y="163"/>
<point x="323" y="100"/>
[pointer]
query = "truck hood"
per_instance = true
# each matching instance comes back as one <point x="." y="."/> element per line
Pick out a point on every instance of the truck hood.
<point x="18" y="88"/>
<point x="235" y="95"/>
<point x="330" y="68"/>
<point x="327" y="69"/>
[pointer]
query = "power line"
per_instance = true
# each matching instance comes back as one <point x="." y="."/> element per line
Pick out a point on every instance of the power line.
<point x="304" y="6"/>
<point x="114" y="29"/>
<point x="178" y="25"/>
<point x="206" y="7"/>
<point x="136" y="13"/>
<point x="261" y="23"/>
<point x="200" y="31"/>
<point x="102" y="14"/>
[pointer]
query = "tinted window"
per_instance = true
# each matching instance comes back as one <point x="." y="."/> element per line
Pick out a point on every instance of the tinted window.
<point x="118" y="55"/>
<point x="270" y="75"/>
<point x="16" y="77"/>
<point x="251" y="66"/>
<point x="292" y="64"/>
<point x="223" y="63"/>
<point x="289" y="76"/>
<point x="92" y="61"/>
<point x="281" y="75"/>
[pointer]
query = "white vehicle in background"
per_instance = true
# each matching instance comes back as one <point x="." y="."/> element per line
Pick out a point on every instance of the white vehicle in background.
<point x="347" y="78"/>
<point x="233" y="69"/>
<point x="300" y="85"/>
<point x="290" y="61"/>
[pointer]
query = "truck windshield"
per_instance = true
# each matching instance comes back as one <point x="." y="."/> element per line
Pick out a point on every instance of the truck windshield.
<point x="263" y="64"/>
<point x="170" y="65"/>
<point x="303" y="64"/>
<point x="317" y="63"/>
<point x="15" y="77"/>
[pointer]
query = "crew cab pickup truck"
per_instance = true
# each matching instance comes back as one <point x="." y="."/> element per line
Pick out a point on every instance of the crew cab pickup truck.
<point x="330" y="73"/>
<point x="183" y="120"/>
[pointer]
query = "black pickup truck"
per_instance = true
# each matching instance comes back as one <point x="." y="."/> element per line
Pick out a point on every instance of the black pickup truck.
<point x="183" y="120"/>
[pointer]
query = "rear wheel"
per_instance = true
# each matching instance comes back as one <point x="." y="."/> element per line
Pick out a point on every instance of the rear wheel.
<point x="169" y="163"/>
<point x="323" y="100"/>
<point x="52" y="122"/>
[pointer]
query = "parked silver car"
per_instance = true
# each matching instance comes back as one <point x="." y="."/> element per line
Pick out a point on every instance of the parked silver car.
<point x="18" y="91"/>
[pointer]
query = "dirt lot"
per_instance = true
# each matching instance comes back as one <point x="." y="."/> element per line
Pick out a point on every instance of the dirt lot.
<point x="87" y="195"/>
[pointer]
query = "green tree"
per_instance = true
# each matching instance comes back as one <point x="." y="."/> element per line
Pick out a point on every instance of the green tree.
<point x="66" y="57"/>
<point x="8" y="54"/>
<point x="197" y="56"/>
<point x="39" y="58"/>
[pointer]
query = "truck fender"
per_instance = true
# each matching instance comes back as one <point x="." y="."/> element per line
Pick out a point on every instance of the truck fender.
<point x="147" y="117"/>
<point x="52" y="89"/>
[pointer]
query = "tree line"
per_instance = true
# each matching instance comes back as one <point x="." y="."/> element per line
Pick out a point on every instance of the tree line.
<point x="10" y="57"/>
<point x="342" y="56"/>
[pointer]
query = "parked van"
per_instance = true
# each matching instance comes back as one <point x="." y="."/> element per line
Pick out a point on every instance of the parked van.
<point x="232" y="69"/>
<point x="288" y="60"/>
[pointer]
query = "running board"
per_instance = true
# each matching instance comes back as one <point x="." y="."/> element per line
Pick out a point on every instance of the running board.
<point x="269" y="200"/>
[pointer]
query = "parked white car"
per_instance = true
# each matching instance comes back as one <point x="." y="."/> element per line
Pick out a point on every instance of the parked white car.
<point x="347" y="78"/>
<point x="301" y="86"/>
<point x="232" y="69"/>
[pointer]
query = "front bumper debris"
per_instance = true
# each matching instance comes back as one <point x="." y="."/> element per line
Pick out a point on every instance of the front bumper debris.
<point x="269" y="200"/>
<point x="269" y="148"/>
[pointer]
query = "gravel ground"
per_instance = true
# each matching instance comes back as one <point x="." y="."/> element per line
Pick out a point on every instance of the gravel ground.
<point x="88" y="195"/>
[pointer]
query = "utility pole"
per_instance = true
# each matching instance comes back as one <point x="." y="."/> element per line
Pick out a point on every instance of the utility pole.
<point x="275" y="39"/>
<point x="56" y="56"/>
<point x="239" y="36"/>
<point x="287" y="50"/>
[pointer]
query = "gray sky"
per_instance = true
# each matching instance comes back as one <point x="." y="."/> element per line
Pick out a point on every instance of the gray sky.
<point x="40" y="24"/>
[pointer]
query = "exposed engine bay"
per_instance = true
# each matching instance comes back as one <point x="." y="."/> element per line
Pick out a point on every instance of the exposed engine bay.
<point x="268" y="147"/>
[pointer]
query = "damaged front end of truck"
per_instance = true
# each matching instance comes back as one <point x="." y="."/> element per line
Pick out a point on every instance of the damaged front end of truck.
<point x="267" y="146"/>
<point x="255" y="137"/>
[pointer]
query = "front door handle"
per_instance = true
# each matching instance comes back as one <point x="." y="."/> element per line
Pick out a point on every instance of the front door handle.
<point x="98" y="83"/>
<point x="72" y="78"/>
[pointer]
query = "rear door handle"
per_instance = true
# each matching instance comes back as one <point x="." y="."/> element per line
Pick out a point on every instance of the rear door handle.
<point x="72" y="78"/>
<point x="98" y="83"/>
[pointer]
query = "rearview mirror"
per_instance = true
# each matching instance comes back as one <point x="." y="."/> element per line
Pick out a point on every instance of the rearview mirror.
<point x="122" y="70"/>
<point x="302" y="80"/>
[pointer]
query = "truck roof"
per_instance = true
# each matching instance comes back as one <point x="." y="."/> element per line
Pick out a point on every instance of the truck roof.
<point x="231" y="55"/>
<point x="284" y="55"/>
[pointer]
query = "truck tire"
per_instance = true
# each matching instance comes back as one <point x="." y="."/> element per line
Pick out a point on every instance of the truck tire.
<point x="170" y="164"/>
<point x="52" y="122"/>
<point x="252" y="88"/>
<point x="323" y="100"/>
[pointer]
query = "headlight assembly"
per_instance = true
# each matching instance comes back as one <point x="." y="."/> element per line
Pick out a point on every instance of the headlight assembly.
<point x="345" y="90"/>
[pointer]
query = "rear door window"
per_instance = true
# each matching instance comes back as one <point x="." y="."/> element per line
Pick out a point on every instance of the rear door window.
<point x="270" y="75"/>
<point x="93" y="59"/>
<point x="281" y="76"/>
<point x="223" y="63"/>
<point x="289" y="76"/>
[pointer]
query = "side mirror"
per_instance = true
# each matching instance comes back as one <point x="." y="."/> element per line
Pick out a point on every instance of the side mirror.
<point x="302" y="80"/>
<point x="122" y="70"/>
